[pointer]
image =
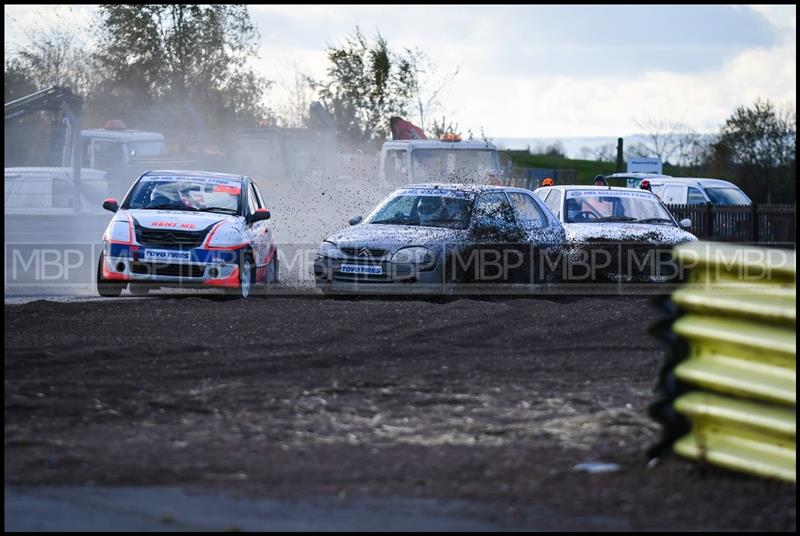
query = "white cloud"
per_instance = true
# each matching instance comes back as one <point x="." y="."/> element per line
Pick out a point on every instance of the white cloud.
<point x="510" y="94"/>
<point x="784" y="17"/>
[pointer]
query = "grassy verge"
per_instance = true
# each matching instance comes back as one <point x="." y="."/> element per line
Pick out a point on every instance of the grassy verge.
<point x="586" y="169"/>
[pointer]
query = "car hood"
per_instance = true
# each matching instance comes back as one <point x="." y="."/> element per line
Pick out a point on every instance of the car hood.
<point x="179" y="219"/>
<point x="625" y="232"/>
<point x="393" y="236"/>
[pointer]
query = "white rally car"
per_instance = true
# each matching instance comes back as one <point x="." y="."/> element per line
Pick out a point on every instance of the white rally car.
<point x="617" y="234"/>
<point x="187" y="228"/>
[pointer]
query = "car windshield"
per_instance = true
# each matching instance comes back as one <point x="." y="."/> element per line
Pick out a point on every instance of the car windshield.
<point x="596" y="206"/>
<point x="186" y="193"/>
<point x="451" y="165"/>
<point x="139" y="149"/>
<point x="727" y="196"/>
<point x="425" y="207"/>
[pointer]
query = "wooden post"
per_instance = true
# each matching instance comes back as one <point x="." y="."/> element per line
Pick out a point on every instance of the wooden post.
<point x="754" y="223"/>
<point x="708" y="222"/>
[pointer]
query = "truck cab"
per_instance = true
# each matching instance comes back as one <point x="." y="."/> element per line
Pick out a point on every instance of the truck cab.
<point x="448" y="160"/>
<point x="116" y="145"/>
<point x="123" y="153"/>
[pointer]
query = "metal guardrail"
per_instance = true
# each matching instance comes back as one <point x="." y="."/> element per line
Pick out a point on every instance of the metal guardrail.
<point x="727" y="391"/>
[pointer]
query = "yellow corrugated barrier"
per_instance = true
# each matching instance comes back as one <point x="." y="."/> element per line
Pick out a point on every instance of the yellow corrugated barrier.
<point x="730" y="385"/>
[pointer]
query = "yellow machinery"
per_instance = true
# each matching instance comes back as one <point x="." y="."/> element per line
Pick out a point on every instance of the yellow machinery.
<point x="728" y="387"/>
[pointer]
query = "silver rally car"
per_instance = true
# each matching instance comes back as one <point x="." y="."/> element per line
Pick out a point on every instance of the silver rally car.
<point x="621" y="234"/>
<point x="429" y="238"/>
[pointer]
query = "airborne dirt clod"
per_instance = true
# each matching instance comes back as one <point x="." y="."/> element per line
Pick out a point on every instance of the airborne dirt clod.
<point x="482" y="400"/>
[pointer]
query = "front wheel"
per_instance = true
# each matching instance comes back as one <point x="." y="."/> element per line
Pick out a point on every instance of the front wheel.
<point x="106" y="288"/>
<point x="247" y="278"/>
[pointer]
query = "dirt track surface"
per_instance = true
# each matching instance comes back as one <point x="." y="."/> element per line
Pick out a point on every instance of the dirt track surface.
<point x="477" y="400"/>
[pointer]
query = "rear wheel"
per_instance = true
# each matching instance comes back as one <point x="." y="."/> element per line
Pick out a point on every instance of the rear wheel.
<point x="272" y="270"/>
<point x="106" y="288"/>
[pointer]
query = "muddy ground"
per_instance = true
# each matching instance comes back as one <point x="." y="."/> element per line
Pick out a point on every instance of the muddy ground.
<point x="492" y="401"/>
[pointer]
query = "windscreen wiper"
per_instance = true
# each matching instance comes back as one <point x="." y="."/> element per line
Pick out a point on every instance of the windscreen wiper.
<point x="403" y="221"/>
<point x="653" y="220"/>
<point x="614" y="218"/>
<point x="171" y="207"/>
<point x="220" y="209"/>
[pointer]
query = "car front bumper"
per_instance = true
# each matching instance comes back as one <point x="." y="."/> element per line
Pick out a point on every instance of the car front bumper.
<point x="214" y="268"/>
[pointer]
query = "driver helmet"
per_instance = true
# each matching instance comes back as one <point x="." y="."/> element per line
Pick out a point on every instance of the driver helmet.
<point x="645" y="185"/>
<point x="547" y="182"/>
<point x="428" y="205"/>
<point x="161" y="196"/>
<point x="599" y="180"/>
<point x="573" y="208"/>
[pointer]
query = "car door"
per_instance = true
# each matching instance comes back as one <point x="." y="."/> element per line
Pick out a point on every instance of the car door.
<point x="258" y="233"/>
<point x="267" y="238"/>
<point x="695" y="197"/>
<point x="497" y="252"/>
<point x="541" y="239"/>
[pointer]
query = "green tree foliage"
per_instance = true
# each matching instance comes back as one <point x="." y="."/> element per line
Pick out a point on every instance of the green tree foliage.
<point x="49" y="53"/>
<point x="761" y="135"/>
<point x="761" y="141"/>
<point x="18" y="81"/>
<point x="180" y="54"/>
<point x="366" y="84"/>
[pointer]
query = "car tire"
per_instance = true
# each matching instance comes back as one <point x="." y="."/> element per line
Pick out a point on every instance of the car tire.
<point x="247" y="277"/>
<point x="272" y="272"/>
<point x="105" y="288"/>
<point x="138" y="289"/>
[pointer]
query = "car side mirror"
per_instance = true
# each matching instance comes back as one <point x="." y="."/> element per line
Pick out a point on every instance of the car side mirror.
<point x="260" y="214"/>
<point x="685" y="223"/>
<point x="356" y="220"/>
<point x="111" y="204"/>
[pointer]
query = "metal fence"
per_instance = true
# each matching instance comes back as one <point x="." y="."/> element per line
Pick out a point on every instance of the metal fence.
<point x="764" y="224"/>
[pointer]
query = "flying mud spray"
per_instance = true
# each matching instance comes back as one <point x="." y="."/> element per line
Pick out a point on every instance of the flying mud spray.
<point x="53" y="226"/>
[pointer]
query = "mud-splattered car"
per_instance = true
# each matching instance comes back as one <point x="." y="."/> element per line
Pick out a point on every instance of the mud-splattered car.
<point x="432" y="238"/>
<point x="617" y="234"/>
<point x="187" y="228"/>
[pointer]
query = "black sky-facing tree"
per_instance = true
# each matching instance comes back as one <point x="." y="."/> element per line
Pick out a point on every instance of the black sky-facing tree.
<point x="366" y="84"/>
<point x="763" y="140"/>
<point x="180" y="54"/>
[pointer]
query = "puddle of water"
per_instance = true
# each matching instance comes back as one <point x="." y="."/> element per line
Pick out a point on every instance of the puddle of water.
<point x="597" y="467"/>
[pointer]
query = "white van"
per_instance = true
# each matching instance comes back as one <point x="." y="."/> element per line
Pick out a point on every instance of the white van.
<point x="698" y="191"/>
<point x="686" y="190"/>
<point x="51" y="190"/>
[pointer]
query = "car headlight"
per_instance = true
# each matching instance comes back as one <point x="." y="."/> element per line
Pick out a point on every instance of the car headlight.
<point x="329" y="250"/>
<point x="119" y="231"/>
<point x="413" y="255"/>
<point x="225" y="236"/>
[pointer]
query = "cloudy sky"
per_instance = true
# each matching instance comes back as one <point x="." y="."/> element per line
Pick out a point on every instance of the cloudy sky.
<point x="548" y="71"/>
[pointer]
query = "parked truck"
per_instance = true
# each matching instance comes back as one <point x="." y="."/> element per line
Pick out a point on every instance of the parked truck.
<point x="410" y="157"/>
<point x="125" y="154"/>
